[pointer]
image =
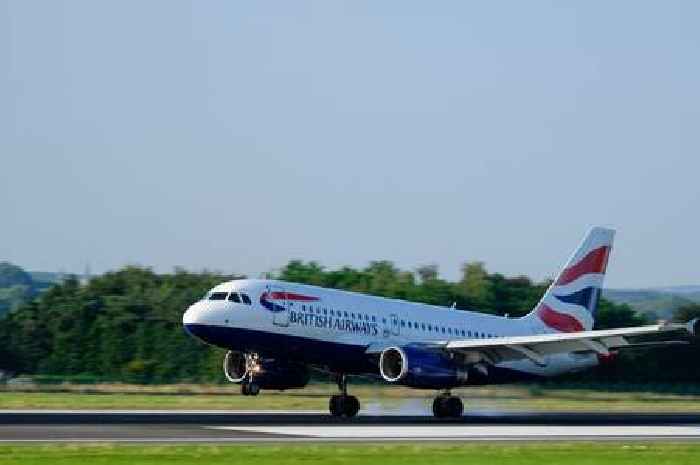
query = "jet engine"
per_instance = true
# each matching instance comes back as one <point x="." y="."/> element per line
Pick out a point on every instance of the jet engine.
<point x="419" y="367"/>
<point x="266" y="373"/>
<point x="235" y="366"/>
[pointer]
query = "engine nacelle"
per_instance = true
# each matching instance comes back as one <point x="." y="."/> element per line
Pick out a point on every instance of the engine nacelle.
<point x="266" y="373"/>
<point x="420" y="368"/>
<point x="280" y="374"/>
<point x="236" y="366"/>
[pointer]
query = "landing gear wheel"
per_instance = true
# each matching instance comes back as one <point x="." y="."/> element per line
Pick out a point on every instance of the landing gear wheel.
<point x="351" y="407"/>
<point x="447" y="407"/>
<point x="343" y="406"/>
<point x="335" y="405"/>
<point x="253" y="389"/>
<point x="250" y="389"/>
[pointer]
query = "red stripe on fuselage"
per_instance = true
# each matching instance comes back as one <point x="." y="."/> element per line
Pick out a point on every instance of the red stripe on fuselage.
<point x="595" y="262"/>
<point x="291" y="296"/>
<point x="559" y="321"/>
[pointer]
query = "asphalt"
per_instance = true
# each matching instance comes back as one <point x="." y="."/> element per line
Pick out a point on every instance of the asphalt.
<point x="280" y="426"/>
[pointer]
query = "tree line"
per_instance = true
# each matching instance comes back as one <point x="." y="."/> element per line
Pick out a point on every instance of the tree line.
<point x="126" y="325"/>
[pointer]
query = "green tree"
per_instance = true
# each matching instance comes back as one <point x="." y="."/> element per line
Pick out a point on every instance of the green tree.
<point x="475" y="287"/>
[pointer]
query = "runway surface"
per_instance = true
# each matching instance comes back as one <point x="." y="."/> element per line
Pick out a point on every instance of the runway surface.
<point x="21" y="426"/>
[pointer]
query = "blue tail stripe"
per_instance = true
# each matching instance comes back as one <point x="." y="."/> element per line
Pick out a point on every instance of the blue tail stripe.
<point x="586" y="297"/>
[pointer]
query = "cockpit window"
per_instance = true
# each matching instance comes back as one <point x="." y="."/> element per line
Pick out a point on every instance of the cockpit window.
<point x="234" y="297"/>
<point x="218" y="296"/>
<point x="246" y="299"/>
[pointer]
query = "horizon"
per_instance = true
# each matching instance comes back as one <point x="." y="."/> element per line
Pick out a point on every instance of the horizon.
<point x="414" y="271"/>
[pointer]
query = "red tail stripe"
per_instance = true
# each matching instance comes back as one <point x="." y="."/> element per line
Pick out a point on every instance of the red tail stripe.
<point x="559" y="321"/>
<point x="595" y="262"/>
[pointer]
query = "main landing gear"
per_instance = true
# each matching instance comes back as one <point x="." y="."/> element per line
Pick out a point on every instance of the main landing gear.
<point x="343" y="405"/>
<point x="447" y="406"/>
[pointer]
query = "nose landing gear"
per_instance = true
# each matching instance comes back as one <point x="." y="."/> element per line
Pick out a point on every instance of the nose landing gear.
<point x="447" y="406"/>
<point x="249" y="386"/>
<point x="250" y="389"/>
<point x="343" y="405"/>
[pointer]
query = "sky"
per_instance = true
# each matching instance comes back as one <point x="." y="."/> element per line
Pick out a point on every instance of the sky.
<point x="235" y="136"/>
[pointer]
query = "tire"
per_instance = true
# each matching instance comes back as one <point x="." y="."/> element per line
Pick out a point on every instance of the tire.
<point x="439" y="410"/>
<point x="253" y="389"/>
<point x="454" y="407"/>
<point x="343" y="406"/>
<point x="351" y="406"/>
<point x="448" y="407"/>
<point x="335" y="406"/>
<point x="244" y="389"/>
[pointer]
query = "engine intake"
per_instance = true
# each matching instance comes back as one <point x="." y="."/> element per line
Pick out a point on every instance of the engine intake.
<point x="392" y="364"/>
<point x="235" y="366"/>
<point x="419" y="367"/>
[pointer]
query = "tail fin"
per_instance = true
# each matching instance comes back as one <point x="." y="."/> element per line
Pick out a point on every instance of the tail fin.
<point x="570" y="303"/>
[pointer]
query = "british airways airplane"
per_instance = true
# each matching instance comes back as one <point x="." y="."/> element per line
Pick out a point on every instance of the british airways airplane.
<point x="275" y="332"/>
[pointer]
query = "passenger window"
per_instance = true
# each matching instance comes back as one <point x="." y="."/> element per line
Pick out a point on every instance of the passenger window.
<point x="403" y="324"/>
<point x="443" y="330"/>
<point x="218" y="296"/>
<point x="346" y="314"/>
<point x="462" y="333"/>
<point x="422" y="326"/>
<point x="449" y="330"/>
<point x="409" y="324"/>
<point x="246" y="299"/>
<point x="234" y="297"/>
<point x="374" y="318"/>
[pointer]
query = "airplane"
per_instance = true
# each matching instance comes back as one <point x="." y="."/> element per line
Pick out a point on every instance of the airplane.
<point x="276" y="332"/>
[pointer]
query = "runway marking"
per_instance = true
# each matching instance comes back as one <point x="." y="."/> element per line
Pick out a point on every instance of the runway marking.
<point x="469" y="431"/>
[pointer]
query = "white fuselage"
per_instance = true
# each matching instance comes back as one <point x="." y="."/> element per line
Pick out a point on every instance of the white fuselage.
<point x="332" y="327"/>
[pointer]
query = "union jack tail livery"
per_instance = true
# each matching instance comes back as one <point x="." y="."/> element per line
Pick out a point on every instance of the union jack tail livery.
<point x="570" y="303"/>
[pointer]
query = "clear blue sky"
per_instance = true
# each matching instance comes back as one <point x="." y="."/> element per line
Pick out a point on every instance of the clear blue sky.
<point x="238" y="135"/>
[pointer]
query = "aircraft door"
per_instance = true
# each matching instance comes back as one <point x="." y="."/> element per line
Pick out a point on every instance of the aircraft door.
<point x="280" y="315"/>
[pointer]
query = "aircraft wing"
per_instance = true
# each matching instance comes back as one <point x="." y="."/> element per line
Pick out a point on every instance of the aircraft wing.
<point x="537" y="347"/>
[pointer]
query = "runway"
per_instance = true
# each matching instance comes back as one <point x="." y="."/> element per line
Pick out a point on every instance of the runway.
<point x="23" y="426"/>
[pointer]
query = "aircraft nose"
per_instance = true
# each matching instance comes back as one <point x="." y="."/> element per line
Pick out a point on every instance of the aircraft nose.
<point x="197" y="323"/>
<point x="192" y="316"/>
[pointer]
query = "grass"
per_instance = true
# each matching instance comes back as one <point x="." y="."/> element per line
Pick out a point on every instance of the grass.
<point x="571" y="453"/>
<point x="315" y="397"/>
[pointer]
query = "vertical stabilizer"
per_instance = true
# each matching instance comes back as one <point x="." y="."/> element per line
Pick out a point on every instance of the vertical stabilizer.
<point x="570" y="303"/>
